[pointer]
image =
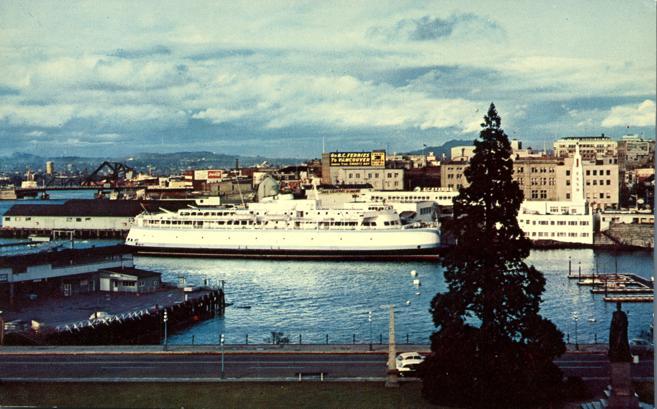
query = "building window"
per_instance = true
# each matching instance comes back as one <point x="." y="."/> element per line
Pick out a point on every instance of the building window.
<point x="588" y="173"/>
<point x="608" y="182"/>
<point x="567" y="173"/>
<point x="602" y="195"/>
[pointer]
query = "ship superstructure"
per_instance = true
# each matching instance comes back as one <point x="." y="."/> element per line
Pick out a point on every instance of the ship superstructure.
<point x="284" y="228"/>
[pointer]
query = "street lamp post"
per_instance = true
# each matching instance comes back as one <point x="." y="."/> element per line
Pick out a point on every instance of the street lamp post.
<point x="369" y="318"/>
<point x="576" y="319"/>
<point x="392" y="380"/>
<point x="166" y="320"/>
<point x="221" y="340"/>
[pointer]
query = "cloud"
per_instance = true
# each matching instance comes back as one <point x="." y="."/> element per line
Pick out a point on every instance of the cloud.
<point x="631" y="115"/>
<point x="53" y="115"/>
<point x="217" y="54"/>
<point x="274" y="76"/>
<point x="342" y="102"/>
<point x="427" y="28"/>
<point x="155" y="50"/>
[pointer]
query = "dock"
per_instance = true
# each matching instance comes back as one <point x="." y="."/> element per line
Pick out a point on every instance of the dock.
<point x="618" y="287"/>
<point x="636" y="298"/>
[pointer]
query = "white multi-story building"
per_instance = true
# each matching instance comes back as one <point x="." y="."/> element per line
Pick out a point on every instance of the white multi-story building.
<point x="590" y="147"/>
<point x="563" y="221"/>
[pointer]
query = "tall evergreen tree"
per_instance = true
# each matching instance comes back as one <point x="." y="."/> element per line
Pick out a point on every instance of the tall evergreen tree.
<point x="492" y="348"/>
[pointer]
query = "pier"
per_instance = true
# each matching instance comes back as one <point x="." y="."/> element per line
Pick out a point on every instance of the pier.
<point x="619" y="287"/>
<point x="127" y="319"/>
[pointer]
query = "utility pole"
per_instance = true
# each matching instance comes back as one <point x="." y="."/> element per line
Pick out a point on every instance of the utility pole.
<point x="166" y="320"/>
<point x="392" y="379"/>
<point x="576" y="318"/>
<point x="369" y="318"/>
<point x="2" y="330"/>
<point x="221" y="340"/>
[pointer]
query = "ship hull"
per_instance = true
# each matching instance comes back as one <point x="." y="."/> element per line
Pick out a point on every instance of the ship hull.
<point x="424" y="254"/>
<point x="417" y="244"/>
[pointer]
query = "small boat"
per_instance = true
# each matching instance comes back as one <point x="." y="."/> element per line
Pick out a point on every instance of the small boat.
<point x="244" y="307"/>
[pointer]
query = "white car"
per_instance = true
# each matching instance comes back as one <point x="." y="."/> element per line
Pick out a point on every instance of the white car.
<point x="407" y="362"/>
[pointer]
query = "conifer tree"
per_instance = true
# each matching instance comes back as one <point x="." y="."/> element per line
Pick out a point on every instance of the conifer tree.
<point x="491" y="348"/>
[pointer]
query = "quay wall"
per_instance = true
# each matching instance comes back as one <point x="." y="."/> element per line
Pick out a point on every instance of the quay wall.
<point x="145" y="327"/>
<point x="629" y="235"/>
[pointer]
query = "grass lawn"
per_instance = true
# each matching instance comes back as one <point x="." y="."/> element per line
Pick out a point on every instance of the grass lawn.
<point x="214" y="395"/>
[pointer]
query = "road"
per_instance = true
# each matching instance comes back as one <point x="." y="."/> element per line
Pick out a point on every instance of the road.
<point x="149" y="366"/>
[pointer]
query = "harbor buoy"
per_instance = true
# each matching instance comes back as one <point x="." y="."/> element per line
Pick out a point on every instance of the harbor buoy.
<point x="413" y="273"/>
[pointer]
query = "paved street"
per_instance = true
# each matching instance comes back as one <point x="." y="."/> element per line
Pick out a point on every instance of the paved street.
<point x="156" y="366"/>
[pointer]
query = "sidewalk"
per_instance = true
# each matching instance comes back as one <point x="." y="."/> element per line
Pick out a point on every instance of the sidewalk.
<point x="213" y="349"/>
<point x="244" y="348"/>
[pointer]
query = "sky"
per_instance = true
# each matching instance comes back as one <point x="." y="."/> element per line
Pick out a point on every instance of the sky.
<point x="286" y="78"/>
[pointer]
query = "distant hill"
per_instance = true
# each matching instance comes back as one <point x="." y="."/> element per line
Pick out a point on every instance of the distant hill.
<point x="159" y="163"/>
<point x="444" y="148"/>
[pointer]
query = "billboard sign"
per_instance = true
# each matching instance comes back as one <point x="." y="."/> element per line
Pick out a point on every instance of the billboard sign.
<point x="367" y="159"/>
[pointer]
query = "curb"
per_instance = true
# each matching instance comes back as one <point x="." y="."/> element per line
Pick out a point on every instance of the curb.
<point x="196" y="380"/>
<point x="37" y="353"/>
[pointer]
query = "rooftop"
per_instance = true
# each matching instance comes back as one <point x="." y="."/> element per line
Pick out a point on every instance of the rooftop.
<point x="587" y="138"/>
<point x="96" y="208"/>
<point x="133" y="272"/>
<point x="55" y="256"/>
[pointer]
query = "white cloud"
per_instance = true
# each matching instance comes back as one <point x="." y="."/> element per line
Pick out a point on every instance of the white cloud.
<point x="36" y="115"/>
<point x="112" y="67"/>
<point x="631" y="115"/>
<point x="344" y="102"/>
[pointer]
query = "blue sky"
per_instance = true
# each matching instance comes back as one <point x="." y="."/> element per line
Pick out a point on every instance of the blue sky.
<point x="276" y="78"/>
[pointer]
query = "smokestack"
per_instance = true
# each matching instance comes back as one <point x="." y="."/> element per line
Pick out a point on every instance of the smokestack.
<point x="237" y="163"/>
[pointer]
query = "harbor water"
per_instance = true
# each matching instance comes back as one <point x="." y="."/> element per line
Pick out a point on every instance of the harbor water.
<point x="320" y="300"/>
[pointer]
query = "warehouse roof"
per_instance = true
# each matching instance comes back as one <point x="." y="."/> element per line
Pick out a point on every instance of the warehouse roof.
<point x="95" y="207"/>
<point x="64" y="256"/>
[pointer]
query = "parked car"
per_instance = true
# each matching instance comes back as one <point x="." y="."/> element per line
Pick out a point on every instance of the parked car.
<point x="639" y="346"/>
<point x="408" y="362"/>
<point x="408" y="368"/>
<point x="100" y="316"/>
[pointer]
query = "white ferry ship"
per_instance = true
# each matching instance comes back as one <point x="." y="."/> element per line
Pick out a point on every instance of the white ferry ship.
<point x="280" y="227"/>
